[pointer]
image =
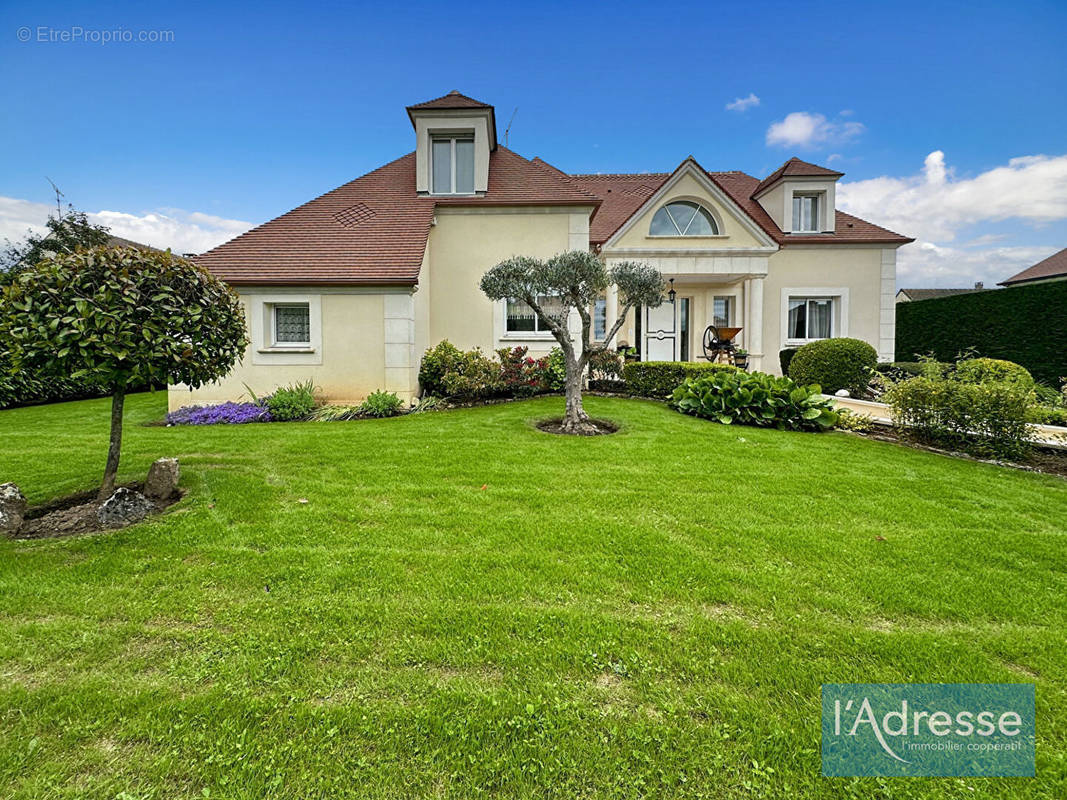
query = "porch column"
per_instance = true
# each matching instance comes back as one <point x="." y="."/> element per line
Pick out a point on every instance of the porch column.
<point x="754" y="322"/>
<point x="612" y="310"/>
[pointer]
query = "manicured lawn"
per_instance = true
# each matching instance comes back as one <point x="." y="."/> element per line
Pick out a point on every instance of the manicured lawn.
<point x="466" y="606"/>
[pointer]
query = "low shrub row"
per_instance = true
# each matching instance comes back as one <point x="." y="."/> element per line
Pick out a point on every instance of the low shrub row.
<point x="294" y="403"/>
<point x="447" y="371"/>
<point x="756" y="399"/>
<point x="660" y="378"/>
<point x="23" y="388"/>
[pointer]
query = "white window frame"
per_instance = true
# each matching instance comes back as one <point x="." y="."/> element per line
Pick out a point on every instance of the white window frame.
<point x="274" y="343"/>
<point x="452" y="138"/>
<point x="535" y="334"/>
<point x="838" y="311"/>
<point x="716" y="221"/>
<point x="816" y="221"/>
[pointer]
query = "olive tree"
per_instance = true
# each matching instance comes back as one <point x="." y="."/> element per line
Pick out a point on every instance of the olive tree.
<point x="574" y="280"/>
<point x="118" y="316"/>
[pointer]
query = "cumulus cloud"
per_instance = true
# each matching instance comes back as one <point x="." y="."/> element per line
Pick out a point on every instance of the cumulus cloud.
<point x="743" y="103"/>
<point x="803" y="129"/>
<point x="937" y="207"/>
<point x="181" y="231"/>
<point x="934" y="205"/>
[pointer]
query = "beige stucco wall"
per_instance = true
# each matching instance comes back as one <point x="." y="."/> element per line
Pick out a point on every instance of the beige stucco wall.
<point x="347" y="364"/>
<point x="464" y="244"/>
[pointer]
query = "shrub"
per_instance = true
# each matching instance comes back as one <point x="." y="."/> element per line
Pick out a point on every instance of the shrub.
<point x="785" y="357"/>
<point x="291" y="403"/>
<point x="472" y="376"/>
<point x="660" y="378"/>
<point x="556" y="370"/>
<point x="849" y="420"/>
<point x="381" y="404"/>
<point x="755" y="399"/>
<point x="521" y="375"/>
<point x="605" y="365"/>
<point x="221" y="414"/>
<point x="1047" y="415"/>
<point x="986" y="419"/>
<point x="993" y="370"/>
<point x="1025" y="324"/>
<point x="614" y="386"/>
<point x="834" y="364"/>
<point x="436" y="362"/>
<point x="902" y="370"/>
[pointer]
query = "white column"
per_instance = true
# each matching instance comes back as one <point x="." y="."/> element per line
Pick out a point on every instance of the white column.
<point x="612" y="311"/>
<point x="754" y="323"/>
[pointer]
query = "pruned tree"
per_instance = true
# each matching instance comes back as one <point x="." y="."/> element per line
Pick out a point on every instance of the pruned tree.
<point x="574" y="280"/>
<point x="119" y="316"/>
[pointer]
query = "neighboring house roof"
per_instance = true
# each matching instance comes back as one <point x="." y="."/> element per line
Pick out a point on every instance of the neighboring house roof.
<point x="1055" y="266"/>
<point x="794" y="167"/>
<point x="118" y="241"/>
<point x="930" y="294"/>
<point x="622" y="195"/>
<point x="373" y="230"/>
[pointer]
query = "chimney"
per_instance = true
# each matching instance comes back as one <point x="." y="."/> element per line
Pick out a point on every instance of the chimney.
<point x="978" y="285"/>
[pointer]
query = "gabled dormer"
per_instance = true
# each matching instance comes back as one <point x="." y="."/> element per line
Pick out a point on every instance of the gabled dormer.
<point x="800" y="197"/>
<point x="454" y="136"/>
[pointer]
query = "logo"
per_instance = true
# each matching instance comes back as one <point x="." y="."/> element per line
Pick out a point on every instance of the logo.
<point x="942" y="729"/>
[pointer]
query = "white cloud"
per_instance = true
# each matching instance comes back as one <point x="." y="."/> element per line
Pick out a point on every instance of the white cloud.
<point x="181" y="231"/>
<point x="933" y="205"/>
<point x="802" y="129"/>
<point x="743" y="103"/>
<point x="936" y="207"/>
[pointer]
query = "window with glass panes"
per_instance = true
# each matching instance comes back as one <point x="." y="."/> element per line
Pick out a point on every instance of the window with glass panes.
<point x="810" y="318"/>
<point x="292" y="324"/>
<point x="520" y="317"/>
<point x="453" y="164"/>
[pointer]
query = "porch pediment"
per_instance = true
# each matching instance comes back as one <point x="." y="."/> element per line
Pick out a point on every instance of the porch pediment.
<point x="689" y="183"/>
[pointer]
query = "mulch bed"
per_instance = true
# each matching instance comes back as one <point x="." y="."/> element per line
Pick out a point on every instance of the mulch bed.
<point x="75" y="515"/>
<point x="595" y="427"/>
<point x="1042" y="459"/>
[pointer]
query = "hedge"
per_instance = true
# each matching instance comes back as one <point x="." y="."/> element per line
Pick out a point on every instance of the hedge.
<point x="661" y="378"/>
<point x="1024" y="324"/>
<point x="834" y="364"/>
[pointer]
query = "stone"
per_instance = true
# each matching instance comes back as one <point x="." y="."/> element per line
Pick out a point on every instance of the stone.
<point x="162" y="480"/>
<point x="842" y="393"/>
<point x="12" y="508"/>
<point x="124" y="507"/>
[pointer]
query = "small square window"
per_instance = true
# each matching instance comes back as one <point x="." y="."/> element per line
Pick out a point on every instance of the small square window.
<point x="292" y="325"/>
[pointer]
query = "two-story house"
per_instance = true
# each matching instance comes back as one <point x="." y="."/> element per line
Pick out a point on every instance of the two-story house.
<point x="350" y="288"/>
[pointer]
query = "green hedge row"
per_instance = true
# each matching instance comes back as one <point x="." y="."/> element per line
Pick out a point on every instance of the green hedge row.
<point x="1024" y="324"/>
<point x="661" y="378"/>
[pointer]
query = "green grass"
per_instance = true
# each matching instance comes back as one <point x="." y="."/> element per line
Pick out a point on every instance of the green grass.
<point x="466" y="606"/>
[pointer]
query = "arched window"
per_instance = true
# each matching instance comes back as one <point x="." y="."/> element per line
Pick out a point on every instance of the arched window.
<point x="683" y="218"/>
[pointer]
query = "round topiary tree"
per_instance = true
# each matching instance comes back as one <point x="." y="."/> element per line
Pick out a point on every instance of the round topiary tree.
<point x="575" y="279"/>
<point x="834" y="364"/>
<point x="119" y="316"/>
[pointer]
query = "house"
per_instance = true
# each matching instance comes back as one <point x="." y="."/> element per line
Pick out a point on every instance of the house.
<point x="1053" y="268"/>
<point x="349" y="289"/>
<point x="911" y="295"/>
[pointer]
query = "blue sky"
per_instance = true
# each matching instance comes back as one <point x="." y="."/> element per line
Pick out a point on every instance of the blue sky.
<point x="251" y="110"/>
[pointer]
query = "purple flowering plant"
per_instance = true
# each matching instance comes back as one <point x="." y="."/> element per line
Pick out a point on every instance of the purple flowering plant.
<point x="221" y="414"/>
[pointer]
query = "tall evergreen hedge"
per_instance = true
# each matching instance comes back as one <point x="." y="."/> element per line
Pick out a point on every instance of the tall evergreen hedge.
<point x="1024" y="324"/>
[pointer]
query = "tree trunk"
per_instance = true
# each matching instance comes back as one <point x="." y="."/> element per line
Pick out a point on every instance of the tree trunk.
<point x="115" y="446"/>
<point x="575" y="420"/>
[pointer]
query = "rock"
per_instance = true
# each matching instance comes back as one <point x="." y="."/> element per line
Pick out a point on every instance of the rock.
<point x="12" y="508"/>
<point x="124" y="507"/>
<point x="162" y="480"/>
<point x="842" y="393"/>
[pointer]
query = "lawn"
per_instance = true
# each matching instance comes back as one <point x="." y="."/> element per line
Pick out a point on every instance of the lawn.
<point x="466" y="606"/>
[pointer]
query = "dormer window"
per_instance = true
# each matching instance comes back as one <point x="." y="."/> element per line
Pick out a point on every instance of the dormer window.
<point x="453" y="164"/>
<point x="805" y="213"/>
<point x="683" y="218"/>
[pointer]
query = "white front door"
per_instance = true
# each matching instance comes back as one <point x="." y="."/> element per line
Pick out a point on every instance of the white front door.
<point x="661" y="333"/>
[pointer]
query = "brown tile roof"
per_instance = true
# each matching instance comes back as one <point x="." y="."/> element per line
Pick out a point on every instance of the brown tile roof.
<point x="451" y="100"/>
<point x="623" y="195"/>
<point x="373" y="230"/>
<point x="1055" y="266"/>
<point x="798" y="168"/>
<point x="930" y="294"/>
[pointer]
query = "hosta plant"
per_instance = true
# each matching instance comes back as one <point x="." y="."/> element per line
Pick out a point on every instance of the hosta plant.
<point x="755" y="399"/>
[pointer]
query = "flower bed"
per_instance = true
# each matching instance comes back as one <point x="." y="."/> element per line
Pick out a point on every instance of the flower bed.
<point x="221" y="414"/>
